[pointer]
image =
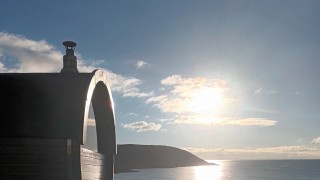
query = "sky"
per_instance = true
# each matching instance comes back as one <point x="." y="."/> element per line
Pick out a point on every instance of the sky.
<point x="223" y="79"/>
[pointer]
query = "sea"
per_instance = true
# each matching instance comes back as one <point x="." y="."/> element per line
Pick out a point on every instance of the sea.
<point x="233" y="170"/>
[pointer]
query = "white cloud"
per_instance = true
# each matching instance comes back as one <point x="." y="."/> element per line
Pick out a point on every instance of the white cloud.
<point x="253" y="153"/>
<point x="171" y="80"/>
<point x="276" y="149"/>
<point x="156" y="99"/>
<point x="32" y="56"/>
<point x="297" y="93"/>
<point x="272" y="92"/>
<point x="127" y="86"/>
<point x="183" y="91"/>
<point x="249" y="122"/>
<point x="262" y="91"/>
<point x="141" y="64"/>
<point x="258" y="91"/>
<point x="198" y="101"/>
<point x="142" y="126"/>
<point x="136" y="93"/>
<point x="316" y="140"/>
<point x="259" y="110"/>
<point x="132" y="114"/>
<point x="2" y="67"/>
<point x="26" y="55"/>
<point x="180" y="85"/>
<point x="166" y="120"/>
<point x="222" y="121"/>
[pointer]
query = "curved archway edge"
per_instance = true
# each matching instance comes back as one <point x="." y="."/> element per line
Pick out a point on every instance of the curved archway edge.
<point x="99" y="93"/>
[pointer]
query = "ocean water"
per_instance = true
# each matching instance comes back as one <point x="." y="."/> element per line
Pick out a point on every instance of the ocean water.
<point x="234" y="170"/>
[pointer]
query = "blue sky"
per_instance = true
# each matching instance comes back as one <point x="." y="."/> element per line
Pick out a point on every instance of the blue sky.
<point x="222" y="79"/>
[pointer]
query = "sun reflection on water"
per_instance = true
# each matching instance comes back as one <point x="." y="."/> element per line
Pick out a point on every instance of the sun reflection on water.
<point x="212" y="172"/>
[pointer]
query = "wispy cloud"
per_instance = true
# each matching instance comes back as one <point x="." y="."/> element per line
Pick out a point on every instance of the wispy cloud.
<point x="258" y="91"/>
<point x="127" y="86"/>
<point x="248" y="122"/>
<point x="156" y="99"/>
<point x="30" y="55"/>
<point x="142" y="126"/>
<point x="183" y="91"/>
<point x="262" y="152"/>
<point x="263" y="91"/>
<point x="316" y="140"/>
<point x="198" y="100"/>
<point x="296" y="93"/>
<point x="2" y="67"/>
<point x="223" y="121"/>
<point x="259" y="110"/>
<point x="20" y="54"/>
<point x="276" y="149"/>
<point x="132" y="114"/>
<point x="141" y="64"/>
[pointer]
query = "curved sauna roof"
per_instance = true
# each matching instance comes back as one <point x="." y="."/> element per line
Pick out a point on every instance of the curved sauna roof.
<point x="54" y="105"/>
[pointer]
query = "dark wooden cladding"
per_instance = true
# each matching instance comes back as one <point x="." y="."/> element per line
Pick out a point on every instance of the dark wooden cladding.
<point x="44" y="120"/>
<point x="32" y="159"/>
<point x="48" y="159"/>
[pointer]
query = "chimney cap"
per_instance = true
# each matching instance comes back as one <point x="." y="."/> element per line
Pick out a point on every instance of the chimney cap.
<point x="69" y="44"/>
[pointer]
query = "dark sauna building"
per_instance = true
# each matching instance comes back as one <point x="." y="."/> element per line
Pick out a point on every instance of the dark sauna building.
<point x="44" y="121"/>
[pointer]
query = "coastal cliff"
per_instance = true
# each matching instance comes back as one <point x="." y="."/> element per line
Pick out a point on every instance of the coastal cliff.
<point x="131" y="156"/>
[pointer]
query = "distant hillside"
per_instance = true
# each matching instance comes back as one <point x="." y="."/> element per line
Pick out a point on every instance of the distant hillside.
<point x="131" y="156"/>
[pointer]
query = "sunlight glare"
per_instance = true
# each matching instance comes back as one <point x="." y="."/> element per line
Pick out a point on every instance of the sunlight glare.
<point x="205" y="100"/>
<point x="212" y="172"/>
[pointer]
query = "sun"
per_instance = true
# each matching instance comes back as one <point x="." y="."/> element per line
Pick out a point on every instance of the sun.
<point x="205" y="100"/>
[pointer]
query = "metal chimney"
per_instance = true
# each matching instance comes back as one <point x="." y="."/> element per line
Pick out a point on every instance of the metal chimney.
<point x="69" y="59"/>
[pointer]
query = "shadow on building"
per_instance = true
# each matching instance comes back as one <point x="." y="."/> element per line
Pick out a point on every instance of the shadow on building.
<point x="44" y="120"/>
